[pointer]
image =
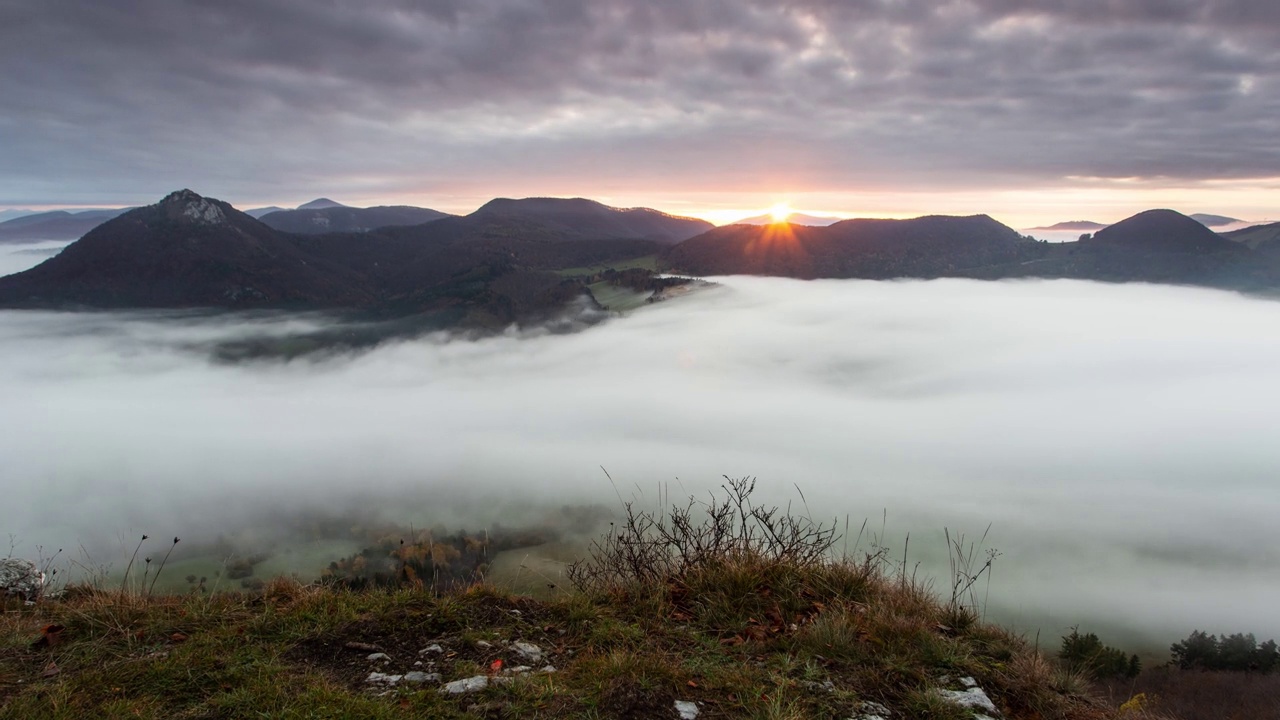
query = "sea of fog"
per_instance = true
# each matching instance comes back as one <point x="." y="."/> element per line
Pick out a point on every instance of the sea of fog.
<point x="1119" y="440"/>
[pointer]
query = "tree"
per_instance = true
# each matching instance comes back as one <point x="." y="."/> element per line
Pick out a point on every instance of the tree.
<point x="1087" y="653"/>
<point x="1199" y="651"/>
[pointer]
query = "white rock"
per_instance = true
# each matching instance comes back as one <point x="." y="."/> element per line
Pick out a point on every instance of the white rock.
<point x="19" y="578"/>
<point x="872" y="711"/>
<point x="378" y="656"/>
<point x="548" y="669"/>
<point x="688" y="710"/>
<point x="431" y="650"/>
<point x="527" y="651"/>
<point x="968" y="682"/>
<point x="377" y="677"/>
<point x="484" y="644"/>
<point x="518" y="670"/>
<point x="974" y="699"/>
<point x="421" y="677"/>
<point x="466" y="685"/>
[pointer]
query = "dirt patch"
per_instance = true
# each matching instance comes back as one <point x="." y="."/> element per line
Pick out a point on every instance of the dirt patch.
<point x="628" y="700"/>
<point x="433" y="641"/>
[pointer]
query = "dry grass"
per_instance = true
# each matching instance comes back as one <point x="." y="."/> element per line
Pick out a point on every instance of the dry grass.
<point x="1199" y="695"/>
<point x="747" y="625"/>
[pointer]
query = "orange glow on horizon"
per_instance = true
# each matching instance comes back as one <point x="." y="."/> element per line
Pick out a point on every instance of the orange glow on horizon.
<point x="780" y="212"/>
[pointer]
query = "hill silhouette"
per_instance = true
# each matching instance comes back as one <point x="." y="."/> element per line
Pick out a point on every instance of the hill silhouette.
<point x="1256" y="236"/>
<point x="579" y="218"/>
<point x="55" y="225"/>
<point x="339" y="218"/>
<point x="930" y="246"/>
<point x="1162" y="231"/>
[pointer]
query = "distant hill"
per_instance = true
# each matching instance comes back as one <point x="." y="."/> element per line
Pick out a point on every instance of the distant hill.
<point x="6" y="215"/>
<point x="588" y="219"/>
<point x="1256" y="236"/>
<point x="320" y="204"/>
<point x="931" y="246"/>
<point x="1160" y="246"/>
<point x="1214" y="221"/>
<point x="487" y="269"/>
<point x="55" y="225"/>
<point x="793" y="218"/>
<point x="1162" y="230"/>
<point x="1080" y="225"/>
<point x="259" y="212"/>
<point x="340" y="218"/>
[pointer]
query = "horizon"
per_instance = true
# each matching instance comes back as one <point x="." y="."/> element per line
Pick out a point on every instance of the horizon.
<point x="717" y="218"/>
<point x="1034" y="116"/>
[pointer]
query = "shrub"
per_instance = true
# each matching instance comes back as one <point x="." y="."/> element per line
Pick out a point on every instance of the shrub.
<point x="650" y="547"/>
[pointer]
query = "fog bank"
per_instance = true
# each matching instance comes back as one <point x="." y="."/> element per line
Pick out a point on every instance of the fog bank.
<point x="1119" y="438"/>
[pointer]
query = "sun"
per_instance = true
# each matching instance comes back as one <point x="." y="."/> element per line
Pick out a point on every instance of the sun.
<point x="780" y="212"/>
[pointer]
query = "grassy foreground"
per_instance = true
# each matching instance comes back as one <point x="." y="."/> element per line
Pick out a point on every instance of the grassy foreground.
<point x="743" y="625"/>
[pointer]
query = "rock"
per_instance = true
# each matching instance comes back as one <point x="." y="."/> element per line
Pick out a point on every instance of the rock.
<point x="687" y="710"/>
<point x="518" y="670"/>
<point x="484" y="644"/>
<point x="362" y="647"/>
<point x="19" y="578"/>
<point x="527" y="651"/>
<point x="379" y="656"/>
<point x="380" y="678"/>
<point x="421" y="677"/>
<point x="466" y="685"/>
<point x="975" y="699"/>
<point x="431" y="650"/>
<point x="872" y="711"/>
<point x="824" y="686"/>
<point x="548" y="669"/>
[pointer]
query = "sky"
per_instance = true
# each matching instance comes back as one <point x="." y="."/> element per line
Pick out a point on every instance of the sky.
<point x="1068" y="110"/>
<point x="1118" y="440"/>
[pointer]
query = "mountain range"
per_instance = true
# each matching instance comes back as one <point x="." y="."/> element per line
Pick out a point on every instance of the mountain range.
<point x="513" y="260"/>
<point x="55" y="225"/>
<point x="1160" y="246"/>
<point x="488" y="268"/>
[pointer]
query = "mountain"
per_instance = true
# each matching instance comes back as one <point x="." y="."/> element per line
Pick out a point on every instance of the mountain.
<point x="578" y="218"/>
<point x="340" y="218"/>
<point x="793" y="218"/>
<point x="259" y="212"/>
<point x="1214" y="221"/>
<point x="184" y="251"/>
<point x="930" y="246"/>
<point x="1162" y="231"/>
<point x="1256" y="236"/>
<point x="55" y="225"/>
<point x="320" y="204"/>
<point x="488" y="269"/>
<point x="1077" y="225"/>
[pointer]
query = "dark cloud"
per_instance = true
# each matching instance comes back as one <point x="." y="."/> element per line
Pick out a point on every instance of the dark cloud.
<point x="130" y="99"/>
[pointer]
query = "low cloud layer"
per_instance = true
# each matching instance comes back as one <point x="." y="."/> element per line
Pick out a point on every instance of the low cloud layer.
<point x="455" y="101"/>
<point x="1117" y="438"/>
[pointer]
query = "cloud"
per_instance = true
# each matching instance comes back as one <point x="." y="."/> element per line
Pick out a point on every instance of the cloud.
<point x="1117" y="438"/>
<point x="241" y="98"/>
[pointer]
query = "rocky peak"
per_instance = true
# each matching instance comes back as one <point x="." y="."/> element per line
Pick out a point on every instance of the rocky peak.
<point x="189" y="206"/>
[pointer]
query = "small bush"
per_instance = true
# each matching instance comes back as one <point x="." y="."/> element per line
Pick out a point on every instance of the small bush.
<point x="650" y="547"/>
